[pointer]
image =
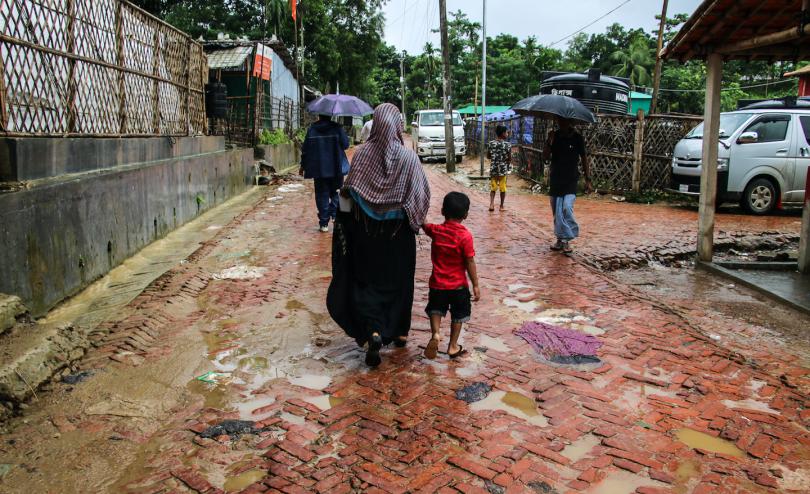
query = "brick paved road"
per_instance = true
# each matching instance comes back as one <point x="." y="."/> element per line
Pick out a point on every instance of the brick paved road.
<point x="330" y="425"/>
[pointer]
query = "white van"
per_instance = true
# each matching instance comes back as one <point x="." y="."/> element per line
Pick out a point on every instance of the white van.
<point x="427" y="131"/>
<point x="763" y="159"/>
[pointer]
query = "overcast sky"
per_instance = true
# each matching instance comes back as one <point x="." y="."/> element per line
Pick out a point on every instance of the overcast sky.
<point x="409" y="22"/>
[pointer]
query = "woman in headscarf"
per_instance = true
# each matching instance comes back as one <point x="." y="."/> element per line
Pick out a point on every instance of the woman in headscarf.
<point x="374" y="244"/>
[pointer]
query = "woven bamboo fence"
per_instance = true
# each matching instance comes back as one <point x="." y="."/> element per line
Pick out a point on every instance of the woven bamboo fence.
<point x="97" y="68"/>
<point x="625" y="152"/>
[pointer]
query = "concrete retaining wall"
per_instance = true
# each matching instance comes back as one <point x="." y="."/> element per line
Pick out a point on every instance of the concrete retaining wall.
<point x="282" y="157"/>
<point x="61" y="233"/>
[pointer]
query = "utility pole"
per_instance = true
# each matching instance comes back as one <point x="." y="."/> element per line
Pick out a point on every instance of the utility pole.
<point x="482" y="151"/>
<point x="450" y="150"/>
<point x="658" y="59"/>
<point x="402" y="85"/>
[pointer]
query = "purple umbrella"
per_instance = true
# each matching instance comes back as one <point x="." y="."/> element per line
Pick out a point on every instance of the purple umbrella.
<point x="340" y="105"/>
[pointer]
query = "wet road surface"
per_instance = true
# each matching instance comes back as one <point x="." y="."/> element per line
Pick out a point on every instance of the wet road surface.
<point x="688" y="398"/>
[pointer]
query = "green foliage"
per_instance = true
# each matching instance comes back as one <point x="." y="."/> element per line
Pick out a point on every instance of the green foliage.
<point x="343" y="44"/>
<point x="273" y="138"/>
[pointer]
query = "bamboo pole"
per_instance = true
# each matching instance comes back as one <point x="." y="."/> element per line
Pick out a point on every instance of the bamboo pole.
<point x="70" y="45"/>
<point x="188" y="89"/>
<point x="708" y="177"/>
<point x="3" y="97"/>
<point x="638" y="151"/>
<point x="119" y="51"/>
<point x="156" y="84"/>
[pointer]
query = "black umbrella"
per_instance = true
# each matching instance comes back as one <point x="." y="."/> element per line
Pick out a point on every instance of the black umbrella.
<point x="554" y="104"/>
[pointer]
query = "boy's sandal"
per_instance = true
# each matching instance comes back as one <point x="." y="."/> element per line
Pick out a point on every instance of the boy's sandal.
<point x="491" y="209"/>
<point x="432" y="349"/>
<point x="567" y="249"/>
<point x="461" y="351"/>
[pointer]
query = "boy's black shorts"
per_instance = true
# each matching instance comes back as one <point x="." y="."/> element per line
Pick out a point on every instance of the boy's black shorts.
<point x="458" y="301"/>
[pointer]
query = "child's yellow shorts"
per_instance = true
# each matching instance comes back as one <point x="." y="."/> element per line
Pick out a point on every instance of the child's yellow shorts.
<point x="497" y="183"/>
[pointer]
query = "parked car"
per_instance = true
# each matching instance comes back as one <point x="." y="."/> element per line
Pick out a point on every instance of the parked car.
<point x="763" y="158"/>
<point x="427" y="130"/>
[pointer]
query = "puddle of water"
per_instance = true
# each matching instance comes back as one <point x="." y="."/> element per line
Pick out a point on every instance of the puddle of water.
<point x="247" y="407"/>
<point x="295" y="305"/>
<point x="293" y="419"/>
<point x="325" y="402"/>
<point x="588" y="329"/>
<point x="757" y="385"/>
<point x="493" y="343"/>
<point x="215" y="396"/>
<point x="751" y="405"/>
<point x="529" y="306"/>
<point x="695" y="439"/>
<point x="513" y="403"/>
<point x="243" y="480"/>
<point x="580" y="448"/>
<point x="519" y="286"/>
<point x="311" y="381"/>
<point x="290" y="187"/>
<point x="686" y="471"/>
<point x="622" y="482"/>
<point x="253" y="363"/>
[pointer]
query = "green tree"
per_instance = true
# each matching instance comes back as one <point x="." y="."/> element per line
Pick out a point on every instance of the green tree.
<point x="635" y="62"/>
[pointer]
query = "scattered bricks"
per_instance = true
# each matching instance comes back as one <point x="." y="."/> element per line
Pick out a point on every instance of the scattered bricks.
<point x="547" y="454"/>
<point x="578" y="485"/>
<point x="761" y="446"/>
<point x="588" y="475"/>
<point x="605" y="431"/>
<point x="630" y="466"/>
<point x="661" y="476"/>
<point x="298" y="451"/>
<point x="472" y="466"/>
<point x="328" y="483"/>
<point x="342" y="424"/>
<point x="425" y="475"/>
<point x="652" y="490"/>
<point x="503" y="480"/>
<point x="643" y="459"/>
<point x="192" y="479"/>
<point x="466" y="488"/>
<point x="645" y="379"/>
<point x="455" y="432"/>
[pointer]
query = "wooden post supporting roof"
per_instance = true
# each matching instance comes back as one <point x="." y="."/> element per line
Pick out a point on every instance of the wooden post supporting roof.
<point x="804" y="239"/>
<point x="708" y="177"/>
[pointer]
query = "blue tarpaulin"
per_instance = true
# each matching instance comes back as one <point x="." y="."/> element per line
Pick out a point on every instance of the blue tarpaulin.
<point x="510" y="120"/>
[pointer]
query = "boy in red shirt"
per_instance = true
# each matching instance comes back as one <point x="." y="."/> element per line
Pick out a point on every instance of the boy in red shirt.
<point x="453" y="257"/>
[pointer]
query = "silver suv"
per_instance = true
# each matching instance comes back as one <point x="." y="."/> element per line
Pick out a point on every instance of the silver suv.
<point x="763" y="159"/>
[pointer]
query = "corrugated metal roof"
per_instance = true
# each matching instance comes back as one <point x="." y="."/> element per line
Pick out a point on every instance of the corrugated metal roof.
<point x="229" y="58"/>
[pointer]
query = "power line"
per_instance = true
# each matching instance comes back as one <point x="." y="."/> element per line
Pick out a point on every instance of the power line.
<point x="591" y="23"/>
<point x="794" y="79"/>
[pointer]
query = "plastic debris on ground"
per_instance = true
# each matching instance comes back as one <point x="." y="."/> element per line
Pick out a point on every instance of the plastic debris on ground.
<point x="233" y="428"/>
<point x="241" y="272"/>
<point x="214" y="377"/>
<point x="473" y="392"/>
<point x="290" y="187"/>
<point x="77" y="377"/>
<point x="560" y="345"/>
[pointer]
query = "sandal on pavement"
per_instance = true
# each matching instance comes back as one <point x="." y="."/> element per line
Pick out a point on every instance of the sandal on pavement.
<point x="566" y="248"/>
<point x="373" y="354"/>
<point x="400" y="343"/>
<point x="557" y="246"/>
<point x="491" y="209"/>
<point x="432" y="349"/>
<point x="461" y="351"/>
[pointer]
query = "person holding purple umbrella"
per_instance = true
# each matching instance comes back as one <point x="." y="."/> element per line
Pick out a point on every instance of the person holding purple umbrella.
<point x="323" y="158"/>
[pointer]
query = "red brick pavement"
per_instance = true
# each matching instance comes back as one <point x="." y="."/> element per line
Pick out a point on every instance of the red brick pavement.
<point x="401" y="429"/>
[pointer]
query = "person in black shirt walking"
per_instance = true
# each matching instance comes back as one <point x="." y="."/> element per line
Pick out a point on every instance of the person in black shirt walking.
<point x="566" y="149"/>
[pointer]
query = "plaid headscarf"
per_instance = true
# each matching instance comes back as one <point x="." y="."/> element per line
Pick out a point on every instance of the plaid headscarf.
<point x="386" y="174"/>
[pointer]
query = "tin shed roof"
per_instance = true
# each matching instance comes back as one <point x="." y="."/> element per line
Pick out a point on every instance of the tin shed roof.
<point x="229" y="58"/>
<point x="744" y="29"/>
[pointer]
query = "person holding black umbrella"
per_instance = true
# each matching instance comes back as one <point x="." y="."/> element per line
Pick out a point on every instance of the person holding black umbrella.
<point x="566" y="149"/>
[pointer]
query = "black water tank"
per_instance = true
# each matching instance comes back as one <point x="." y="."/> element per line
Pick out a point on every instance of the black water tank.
<point x="601" y="94"/>
<point x="216" y="100"/>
